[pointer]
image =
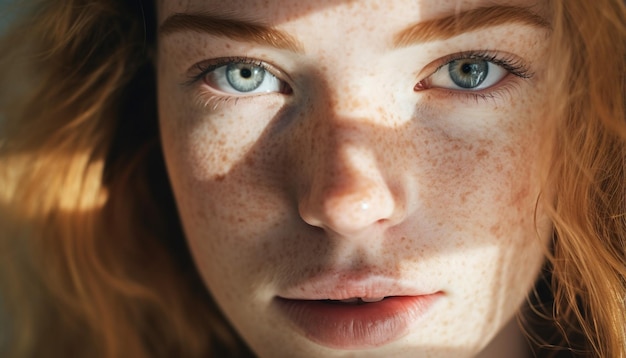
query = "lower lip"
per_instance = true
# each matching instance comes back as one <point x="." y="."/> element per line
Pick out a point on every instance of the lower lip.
<point x="343" y="326"/>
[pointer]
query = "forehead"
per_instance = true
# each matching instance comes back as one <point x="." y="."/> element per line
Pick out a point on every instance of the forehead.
<point x="276" y="12"/>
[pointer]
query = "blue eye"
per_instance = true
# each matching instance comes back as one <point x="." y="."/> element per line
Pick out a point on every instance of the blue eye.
<point x="242" y="77"/>
<point x="467" y="74"/>
<point x="473" y="71"/>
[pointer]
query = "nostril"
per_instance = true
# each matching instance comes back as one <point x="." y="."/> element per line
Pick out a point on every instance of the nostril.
<point x="349" y="210"/>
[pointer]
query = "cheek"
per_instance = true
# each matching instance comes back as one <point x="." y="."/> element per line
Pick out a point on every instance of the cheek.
<point x="474" y="225"/>
<point x="220" y="177"/>
<point x="480" y="179"/>
<point x="474" y="170"/>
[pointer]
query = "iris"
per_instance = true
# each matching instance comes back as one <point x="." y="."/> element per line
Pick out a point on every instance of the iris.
<point x="468" y="73"/>
<point x="244" y="77"/>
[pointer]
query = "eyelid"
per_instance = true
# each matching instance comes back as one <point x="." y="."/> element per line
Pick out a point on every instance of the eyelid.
<point x="515" y="66"/>
<point x="197" y="72"/>
<point x="512" y="63"/>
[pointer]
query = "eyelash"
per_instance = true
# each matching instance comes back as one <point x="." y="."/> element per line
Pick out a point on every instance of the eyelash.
<point x="206" y="67"/>
<point x="509" y="62"/>
<point x="512" y="64"/>
<point x="202" y="69"/>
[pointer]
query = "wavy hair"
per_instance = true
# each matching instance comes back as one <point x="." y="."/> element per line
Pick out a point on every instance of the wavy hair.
<point x="586" y="173"/>
<point x="92" y="256"/>
<point x="93" y="261"/>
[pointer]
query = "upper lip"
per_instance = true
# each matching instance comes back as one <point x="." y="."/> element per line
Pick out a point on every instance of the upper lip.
<point x="343" y="286"/>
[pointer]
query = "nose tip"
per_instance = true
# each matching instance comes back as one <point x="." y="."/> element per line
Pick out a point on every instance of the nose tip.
<point x="349" y="202"/>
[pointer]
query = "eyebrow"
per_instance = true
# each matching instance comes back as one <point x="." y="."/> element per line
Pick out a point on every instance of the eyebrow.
<point x="466" y="21"/>
<point x="425" y="31"/>
<point x="232" y="28"/>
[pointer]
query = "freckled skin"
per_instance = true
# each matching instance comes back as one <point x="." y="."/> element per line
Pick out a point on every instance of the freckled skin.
<point x="356" y="172"/>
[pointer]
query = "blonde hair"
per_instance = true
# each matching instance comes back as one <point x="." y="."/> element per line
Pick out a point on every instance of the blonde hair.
<point x="93" y="261"/>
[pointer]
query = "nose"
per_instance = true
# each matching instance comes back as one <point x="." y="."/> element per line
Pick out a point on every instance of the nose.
<point x="347" y="192"/>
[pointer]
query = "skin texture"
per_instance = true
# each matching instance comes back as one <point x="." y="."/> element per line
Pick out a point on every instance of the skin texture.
<point x="355" y="175"/>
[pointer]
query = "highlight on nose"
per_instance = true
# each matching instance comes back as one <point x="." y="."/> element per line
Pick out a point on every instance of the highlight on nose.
<point x="347" y="204"/>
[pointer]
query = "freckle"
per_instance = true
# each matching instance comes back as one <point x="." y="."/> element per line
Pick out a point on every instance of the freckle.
<point x="356" y="103"/>
<point x="510" y="151"/>
<point x="495" y="229"/>
<point x="520" y="195"/>
<point x="481" y="154"/>
<point x="486" y="143"/>
<point x="220" y="177"/>
<point x="250" y="160"/>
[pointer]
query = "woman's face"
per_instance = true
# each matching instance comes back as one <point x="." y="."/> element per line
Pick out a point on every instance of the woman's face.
<point x="325" y="154"/>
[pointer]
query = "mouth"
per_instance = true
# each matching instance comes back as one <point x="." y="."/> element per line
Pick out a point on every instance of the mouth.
<point x="354" y="300"/>
<point x="357" y="322"/>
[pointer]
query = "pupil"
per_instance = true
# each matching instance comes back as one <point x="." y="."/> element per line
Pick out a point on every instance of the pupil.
<point x="467" y="68"/>
<point x="245" y="73"/>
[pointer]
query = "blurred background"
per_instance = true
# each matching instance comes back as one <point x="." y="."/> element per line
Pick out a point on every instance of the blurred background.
<point x="5" y="11"/>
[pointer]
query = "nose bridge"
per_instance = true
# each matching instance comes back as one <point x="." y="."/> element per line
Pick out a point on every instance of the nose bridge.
<point x="355" y="97"/>
<point x="347" y="191"/>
